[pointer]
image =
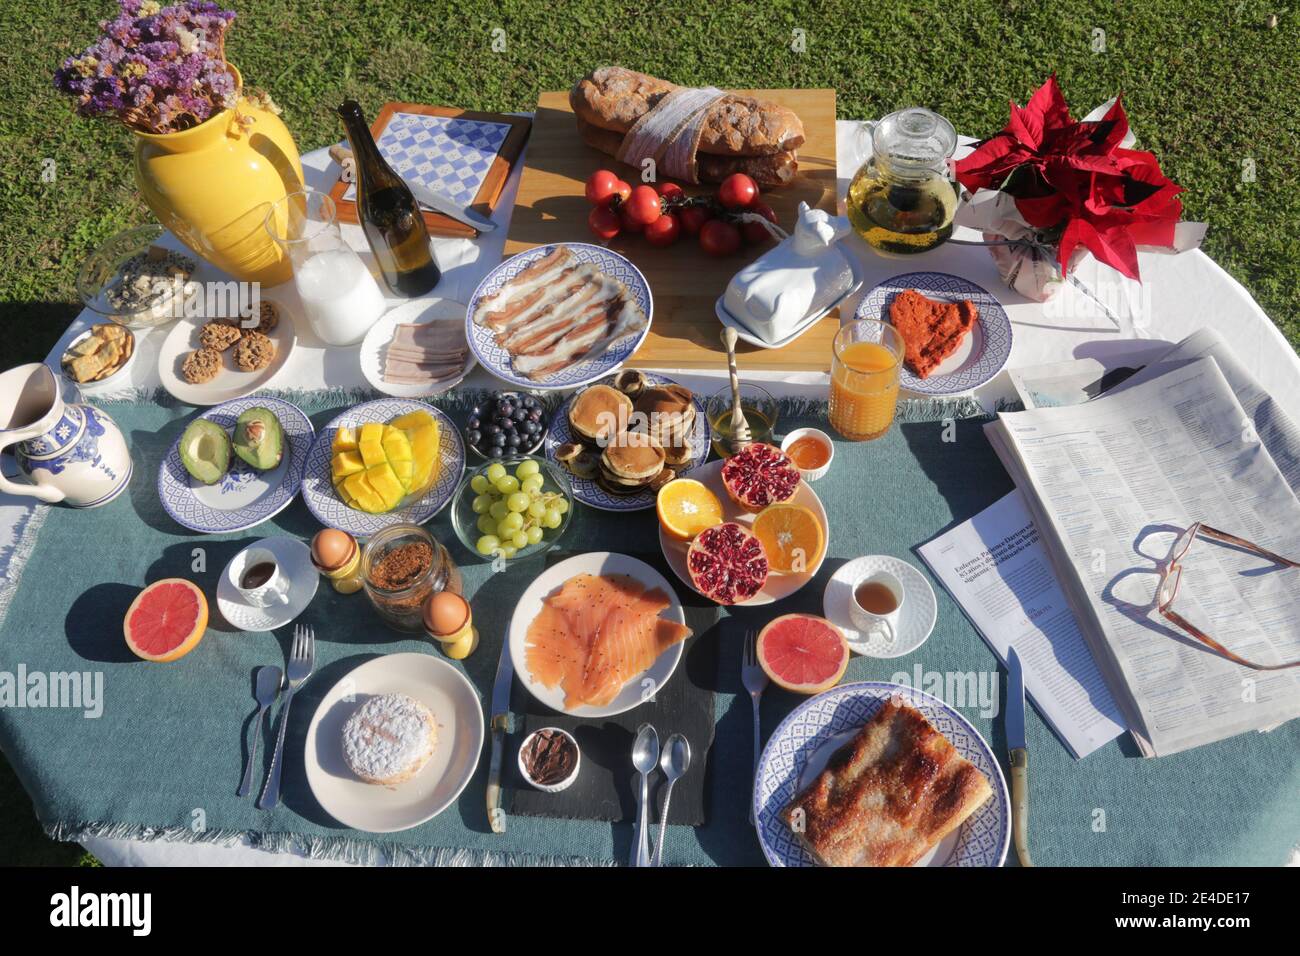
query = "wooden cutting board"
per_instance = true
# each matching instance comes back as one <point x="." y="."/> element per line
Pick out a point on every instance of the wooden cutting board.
<point x="685" y="283"/>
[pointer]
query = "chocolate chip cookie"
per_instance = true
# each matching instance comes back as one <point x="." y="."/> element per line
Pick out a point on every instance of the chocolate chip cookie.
<point x="201" y="365"/>
<point x="218" y="336"/>
<point x="254" y="351"/>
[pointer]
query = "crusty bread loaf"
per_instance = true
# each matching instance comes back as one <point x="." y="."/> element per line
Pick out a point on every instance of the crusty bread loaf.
<point x="613" y="99"/>
<point x="775" y="169"/>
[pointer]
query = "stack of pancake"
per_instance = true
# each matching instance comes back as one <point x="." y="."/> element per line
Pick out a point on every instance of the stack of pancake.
<point x="631" y="435"/>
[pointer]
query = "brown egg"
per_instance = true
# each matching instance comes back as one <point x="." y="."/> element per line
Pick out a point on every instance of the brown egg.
<point x="445" y="613"/>
<point x="331" y="548"/>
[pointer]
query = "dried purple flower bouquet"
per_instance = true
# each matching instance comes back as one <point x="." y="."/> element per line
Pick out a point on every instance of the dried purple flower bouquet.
<point x="156" y="68"/>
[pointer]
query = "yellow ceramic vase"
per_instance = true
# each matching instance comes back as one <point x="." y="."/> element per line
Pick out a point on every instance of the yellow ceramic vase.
<point x="212" y="186"/>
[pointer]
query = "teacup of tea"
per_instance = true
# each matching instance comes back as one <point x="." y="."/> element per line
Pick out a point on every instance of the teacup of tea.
<point x="877" y="606"/>
<point x="258" y="578"/>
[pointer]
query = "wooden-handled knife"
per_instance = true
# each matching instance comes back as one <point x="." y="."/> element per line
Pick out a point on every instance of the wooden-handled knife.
<point x="1019" y="757"/>
<point x="499" y="724"/>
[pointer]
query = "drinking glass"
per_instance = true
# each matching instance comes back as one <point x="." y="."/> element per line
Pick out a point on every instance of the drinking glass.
<point x="864" y="378"/>
<point x="340" y="297"/>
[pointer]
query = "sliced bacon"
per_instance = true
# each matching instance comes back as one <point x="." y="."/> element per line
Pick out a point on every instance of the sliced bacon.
<point x="537" y="275"/>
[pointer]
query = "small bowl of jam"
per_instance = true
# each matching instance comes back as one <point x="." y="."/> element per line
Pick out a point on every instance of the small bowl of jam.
<point x="549" y="759"/>
<point x="811" y="450"/>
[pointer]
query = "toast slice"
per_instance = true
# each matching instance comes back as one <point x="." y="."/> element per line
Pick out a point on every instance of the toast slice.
<point x="888" y="795"/>
<point x="931" y="330"/>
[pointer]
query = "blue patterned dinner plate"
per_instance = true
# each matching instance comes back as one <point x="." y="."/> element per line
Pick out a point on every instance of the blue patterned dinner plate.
<point x="329" y="509"/>
<point x="586" y="370"/>
<point x="980" y="357"/>
<point x="805" y="740"/>
<point x="589" y="492"/>
<point x="244" y="497"/>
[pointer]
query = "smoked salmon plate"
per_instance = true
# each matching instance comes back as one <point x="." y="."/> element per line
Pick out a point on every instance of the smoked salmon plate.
<point x="593" y="632"/>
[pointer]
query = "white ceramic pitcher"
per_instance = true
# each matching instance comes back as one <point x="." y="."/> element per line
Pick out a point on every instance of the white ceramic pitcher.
<point x="71" y="453"/>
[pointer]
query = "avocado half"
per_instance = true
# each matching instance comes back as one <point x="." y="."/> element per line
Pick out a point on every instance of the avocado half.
<point x="259" y="438"/>
<point x="205" y="450"/>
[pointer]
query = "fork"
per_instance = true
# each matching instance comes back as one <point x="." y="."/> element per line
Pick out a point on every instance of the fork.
<point x="302" y="660"/>
<point x="754" y="678"/>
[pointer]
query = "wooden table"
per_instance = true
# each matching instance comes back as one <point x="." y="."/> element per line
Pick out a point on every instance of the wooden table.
<point x="685" y="282"/>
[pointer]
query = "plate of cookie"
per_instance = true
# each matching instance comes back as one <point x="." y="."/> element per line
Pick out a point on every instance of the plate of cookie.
<point x="209" y="361"/>
<point x="625" y="475"/>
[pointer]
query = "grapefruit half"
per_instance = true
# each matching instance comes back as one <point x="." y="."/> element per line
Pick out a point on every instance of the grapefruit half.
<point x="166" y="620"/>
<point x="803" y="653"/>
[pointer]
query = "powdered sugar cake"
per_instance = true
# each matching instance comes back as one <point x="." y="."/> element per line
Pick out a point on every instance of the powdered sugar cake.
<point x="889" y="795"/>
<point x="389" y="739"/>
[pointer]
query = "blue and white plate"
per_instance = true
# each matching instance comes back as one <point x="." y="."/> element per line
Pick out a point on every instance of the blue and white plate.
<point x="806" y="739"/>
<point x="586" y="370"/>
<point x="589" y="492"/>
<point x="244" y="496"/>
<point x="983" y="352"/>
<point x="329" y="509"/>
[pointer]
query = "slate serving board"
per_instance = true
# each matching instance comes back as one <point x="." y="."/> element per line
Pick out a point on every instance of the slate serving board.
<point x="605" y="788"/>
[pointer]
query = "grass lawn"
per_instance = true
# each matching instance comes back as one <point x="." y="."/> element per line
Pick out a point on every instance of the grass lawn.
<point x="1209" y="87"/>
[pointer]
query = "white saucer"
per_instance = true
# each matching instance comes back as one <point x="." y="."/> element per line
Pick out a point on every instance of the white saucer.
<point x="919" y="606"/>
<point x="415" y="312"/>
<point x="294" y="558"/>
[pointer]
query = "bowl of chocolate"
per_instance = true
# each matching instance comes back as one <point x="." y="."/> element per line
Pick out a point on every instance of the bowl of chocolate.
<point x="549" y="759"/>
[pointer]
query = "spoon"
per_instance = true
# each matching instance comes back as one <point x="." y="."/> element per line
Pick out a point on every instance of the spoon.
<point x="267" y="683"/>
<point x="674" y="763"/>
<point x="645" y="755"/>
<point x="740" y="435"/>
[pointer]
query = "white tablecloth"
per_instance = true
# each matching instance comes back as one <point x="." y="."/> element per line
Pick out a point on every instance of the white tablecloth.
<point x="1181" y="294"/>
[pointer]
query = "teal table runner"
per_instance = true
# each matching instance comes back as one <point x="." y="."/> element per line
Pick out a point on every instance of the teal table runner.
<point x="165" y="756"/>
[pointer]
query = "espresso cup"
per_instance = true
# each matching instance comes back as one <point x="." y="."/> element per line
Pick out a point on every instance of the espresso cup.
<point x="274" y="590"/>
<point x="874" y="623"/>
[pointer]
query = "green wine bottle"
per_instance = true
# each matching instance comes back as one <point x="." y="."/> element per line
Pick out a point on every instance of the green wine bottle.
<point x="390" y="216"/>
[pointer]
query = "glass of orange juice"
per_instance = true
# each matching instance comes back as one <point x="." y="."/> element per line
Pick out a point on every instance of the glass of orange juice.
<point x="864" y="378"/>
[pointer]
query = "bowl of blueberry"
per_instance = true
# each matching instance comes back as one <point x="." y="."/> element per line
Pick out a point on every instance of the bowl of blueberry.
<point x="507" y="423"/>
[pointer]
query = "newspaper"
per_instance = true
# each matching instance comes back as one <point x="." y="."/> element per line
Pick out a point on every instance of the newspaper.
<point x="1111" y="484"/>
<point x="1078" y="380"/>
<point x="1276" y="429"/>
<point x="996" y="568"/>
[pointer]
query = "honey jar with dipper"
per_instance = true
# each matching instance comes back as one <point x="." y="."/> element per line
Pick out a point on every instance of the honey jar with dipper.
<point x="449" y="620"/>
<point x="337" y="556"/>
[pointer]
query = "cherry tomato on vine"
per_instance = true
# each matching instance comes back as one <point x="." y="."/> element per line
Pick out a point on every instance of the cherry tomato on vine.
<point x="692" y="218"/>
<point x="601" y="187"/>
<point x="670" y="190"/>
<point x="718" y="238"/>
<point x="663" y="231"/>
<point x="756" y="232"/>
<point x="629" y="224"/>
<point x="643" y="205"/>
<point x="604" y="222"/>
<point x="737" y="191"/>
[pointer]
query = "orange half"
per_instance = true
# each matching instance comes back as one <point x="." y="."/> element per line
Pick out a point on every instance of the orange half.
<point x="792" y="536"/>
<point x="686" y="508"/>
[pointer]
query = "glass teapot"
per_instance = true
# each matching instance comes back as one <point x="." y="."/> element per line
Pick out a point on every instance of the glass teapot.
<point x="901" y="200"/>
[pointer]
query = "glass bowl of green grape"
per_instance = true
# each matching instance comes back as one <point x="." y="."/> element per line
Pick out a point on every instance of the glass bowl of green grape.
<point x="515" y="507"/>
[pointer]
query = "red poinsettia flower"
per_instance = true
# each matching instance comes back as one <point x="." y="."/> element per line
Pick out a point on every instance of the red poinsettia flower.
<point x="1074" y="178"/>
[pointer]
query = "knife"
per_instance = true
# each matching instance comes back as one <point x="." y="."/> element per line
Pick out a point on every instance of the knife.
<point x="427" y="197"/>
<point x="1019" y="756"/>
<point x="500" y="724"/>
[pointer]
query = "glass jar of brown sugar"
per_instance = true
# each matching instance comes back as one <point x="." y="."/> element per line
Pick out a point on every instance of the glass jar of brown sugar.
<point x="401" y="566"/>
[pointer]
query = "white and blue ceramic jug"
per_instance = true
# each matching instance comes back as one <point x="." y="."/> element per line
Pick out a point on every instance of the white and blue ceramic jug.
<point x="71" y="453"/>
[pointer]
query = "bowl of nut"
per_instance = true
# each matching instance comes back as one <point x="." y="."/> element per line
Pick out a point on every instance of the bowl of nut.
<point x="137" y="281"/>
